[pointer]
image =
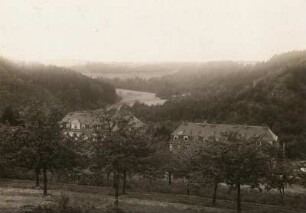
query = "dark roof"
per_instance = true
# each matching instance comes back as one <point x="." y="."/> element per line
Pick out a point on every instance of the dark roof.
<point x="84" y="117"/>
<point x="206" y="130"/>
<point x="92" y="118"/>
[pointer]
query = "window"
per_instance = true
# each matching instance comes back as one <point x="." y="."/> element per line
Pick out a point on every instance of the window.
<point x="185" y="138"/>
<point x="176" y="137"/>
<point x="170" y="147"/>
<point x="180" y="132"/>
<point x="75" y="126"/>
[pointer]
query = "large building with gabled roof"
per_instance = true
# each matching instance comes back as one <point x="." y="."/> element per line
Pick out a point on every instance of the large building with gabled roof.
<point x="86" y="123"/>
<point x="189" y="132"/>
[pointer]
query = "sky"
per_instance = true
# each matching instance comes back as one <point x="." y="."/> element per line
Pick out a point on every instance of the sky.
<point x="150" y="30"/>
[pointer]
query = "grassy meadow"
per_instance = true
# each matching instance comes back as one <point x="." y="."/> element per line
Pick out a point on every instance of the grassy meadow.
<point x="20" y="196"/>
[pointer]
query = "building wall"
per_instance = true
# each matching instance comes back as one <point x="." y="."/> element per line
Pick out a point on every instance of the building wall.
<point x="75" y="124"/>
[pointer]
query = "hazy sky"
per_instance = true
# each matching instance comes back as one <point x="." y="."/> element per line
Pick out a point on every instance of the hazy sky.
<point x="150" y="30"/>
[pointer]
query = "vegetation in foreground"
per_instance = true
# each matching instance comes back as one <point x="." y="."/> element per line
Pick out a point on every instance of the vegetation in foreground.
<point x="20" y="197"/>
<point x="119" y="152"/>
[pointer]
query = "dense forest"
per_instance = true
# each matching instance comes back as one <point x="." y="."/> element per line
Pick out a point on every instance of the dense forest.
<point x="271" y="93"/>
<point x="20" y="83"/>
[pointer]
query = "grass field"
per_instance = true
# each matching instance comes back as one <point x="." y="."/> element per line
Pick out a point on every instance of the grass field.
<point x="19" y="196"/>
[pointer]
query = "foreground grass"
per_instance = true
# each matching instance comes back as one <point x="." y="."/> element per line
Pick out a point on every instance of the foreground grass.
<point x="15" y="200"/>
<point x="21" y="197"/>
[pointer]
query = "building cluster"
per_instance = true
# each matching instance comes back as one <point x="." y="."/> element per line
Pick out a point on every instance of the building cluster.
<point x="88" y="122"/>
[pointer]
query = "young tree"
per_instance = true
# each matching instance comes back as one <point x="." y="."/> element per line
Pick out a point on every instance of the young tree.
<point x="182" y="164"/>
<point x="244" y="161"/>
<point x="12" y="140"/>
<point x="7" y="148"/>
<point x="208" y="164"/>
<point x="279" y="175"/>
<point x="40" y="143"/>
<point x="120" y="147"/>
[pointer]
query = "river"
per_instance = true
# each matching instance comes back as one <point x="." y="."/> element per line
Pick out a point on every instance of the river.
<point x="129" y="97"/>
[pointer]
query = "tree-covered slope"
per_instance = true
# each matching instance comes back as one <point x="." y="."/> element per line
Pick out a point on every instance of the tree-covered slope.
<point x="19" y="84"/>
<point x="272" y="93"/>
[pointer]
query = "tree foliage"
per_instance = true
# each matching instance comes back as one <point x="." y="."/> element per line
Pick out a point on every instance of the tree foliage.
<point x="120" y="147"/>
<point x="234" y="160"/>
<point x="54" y="85"/>
<point x="38" y="144"/>
<point x="271" y="93"/>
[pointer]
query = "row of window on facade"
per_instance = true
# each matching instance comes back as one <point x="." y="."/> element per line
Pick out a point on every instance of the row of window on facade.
<point x="198" y="138"/>
<point x="82" y="126"/>
<point x="187" y="138"/>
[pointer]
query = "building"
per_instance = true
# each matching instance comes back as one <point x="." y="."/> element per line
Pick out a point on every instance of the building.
<point x="189" y="132"/>
<point x="87" y="123"/>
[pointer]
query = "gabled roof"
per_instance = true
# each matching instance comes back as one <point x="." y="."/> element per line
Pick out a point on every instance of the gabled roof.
<point x="92" y="118"/>
<point x="84" y="117"/>
<point x="206" y="130"/>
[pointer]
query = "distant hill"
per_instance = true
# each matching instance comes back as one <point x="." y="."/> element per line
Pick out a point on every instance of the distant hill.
<point x="126" y="70"/>
<point x="270" y="93"/>
<point x="19" y="84"/>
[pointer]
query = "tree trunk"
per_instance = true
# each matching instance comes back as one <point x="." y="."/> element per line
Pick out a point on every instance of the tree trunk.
<point x="124" y="183"/>
<point x="107" y="179"/>
<point x="116" y="174"/>
<point x="169" y="178"/>
<point x="238" y="198"/>
<point x="215" y="193"/>
<point x="114" y="178"/>
<point x="188" y="186"/>
<point x="37" y="177"/>
<point x="45" y="181"/>
<point x="282" y="194"/>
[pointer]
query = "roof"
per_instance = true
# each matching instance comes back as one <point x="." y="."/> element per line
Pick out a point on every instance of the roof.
<point x="84" y="117"/>
<point x="207" y="130"/>
<point x="92" y="118"/>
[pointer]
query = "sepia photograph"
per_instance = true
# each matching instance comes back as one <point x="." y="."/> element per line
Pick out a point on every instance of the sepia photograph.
<point x="152" y="106"/>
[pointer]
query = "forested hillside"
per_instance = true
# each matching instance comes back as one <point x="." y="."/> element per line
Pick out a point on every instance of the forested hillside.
<point x="125" y="70"/>
<point x="272" y="93"/>
<point x="19" y="84"/>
